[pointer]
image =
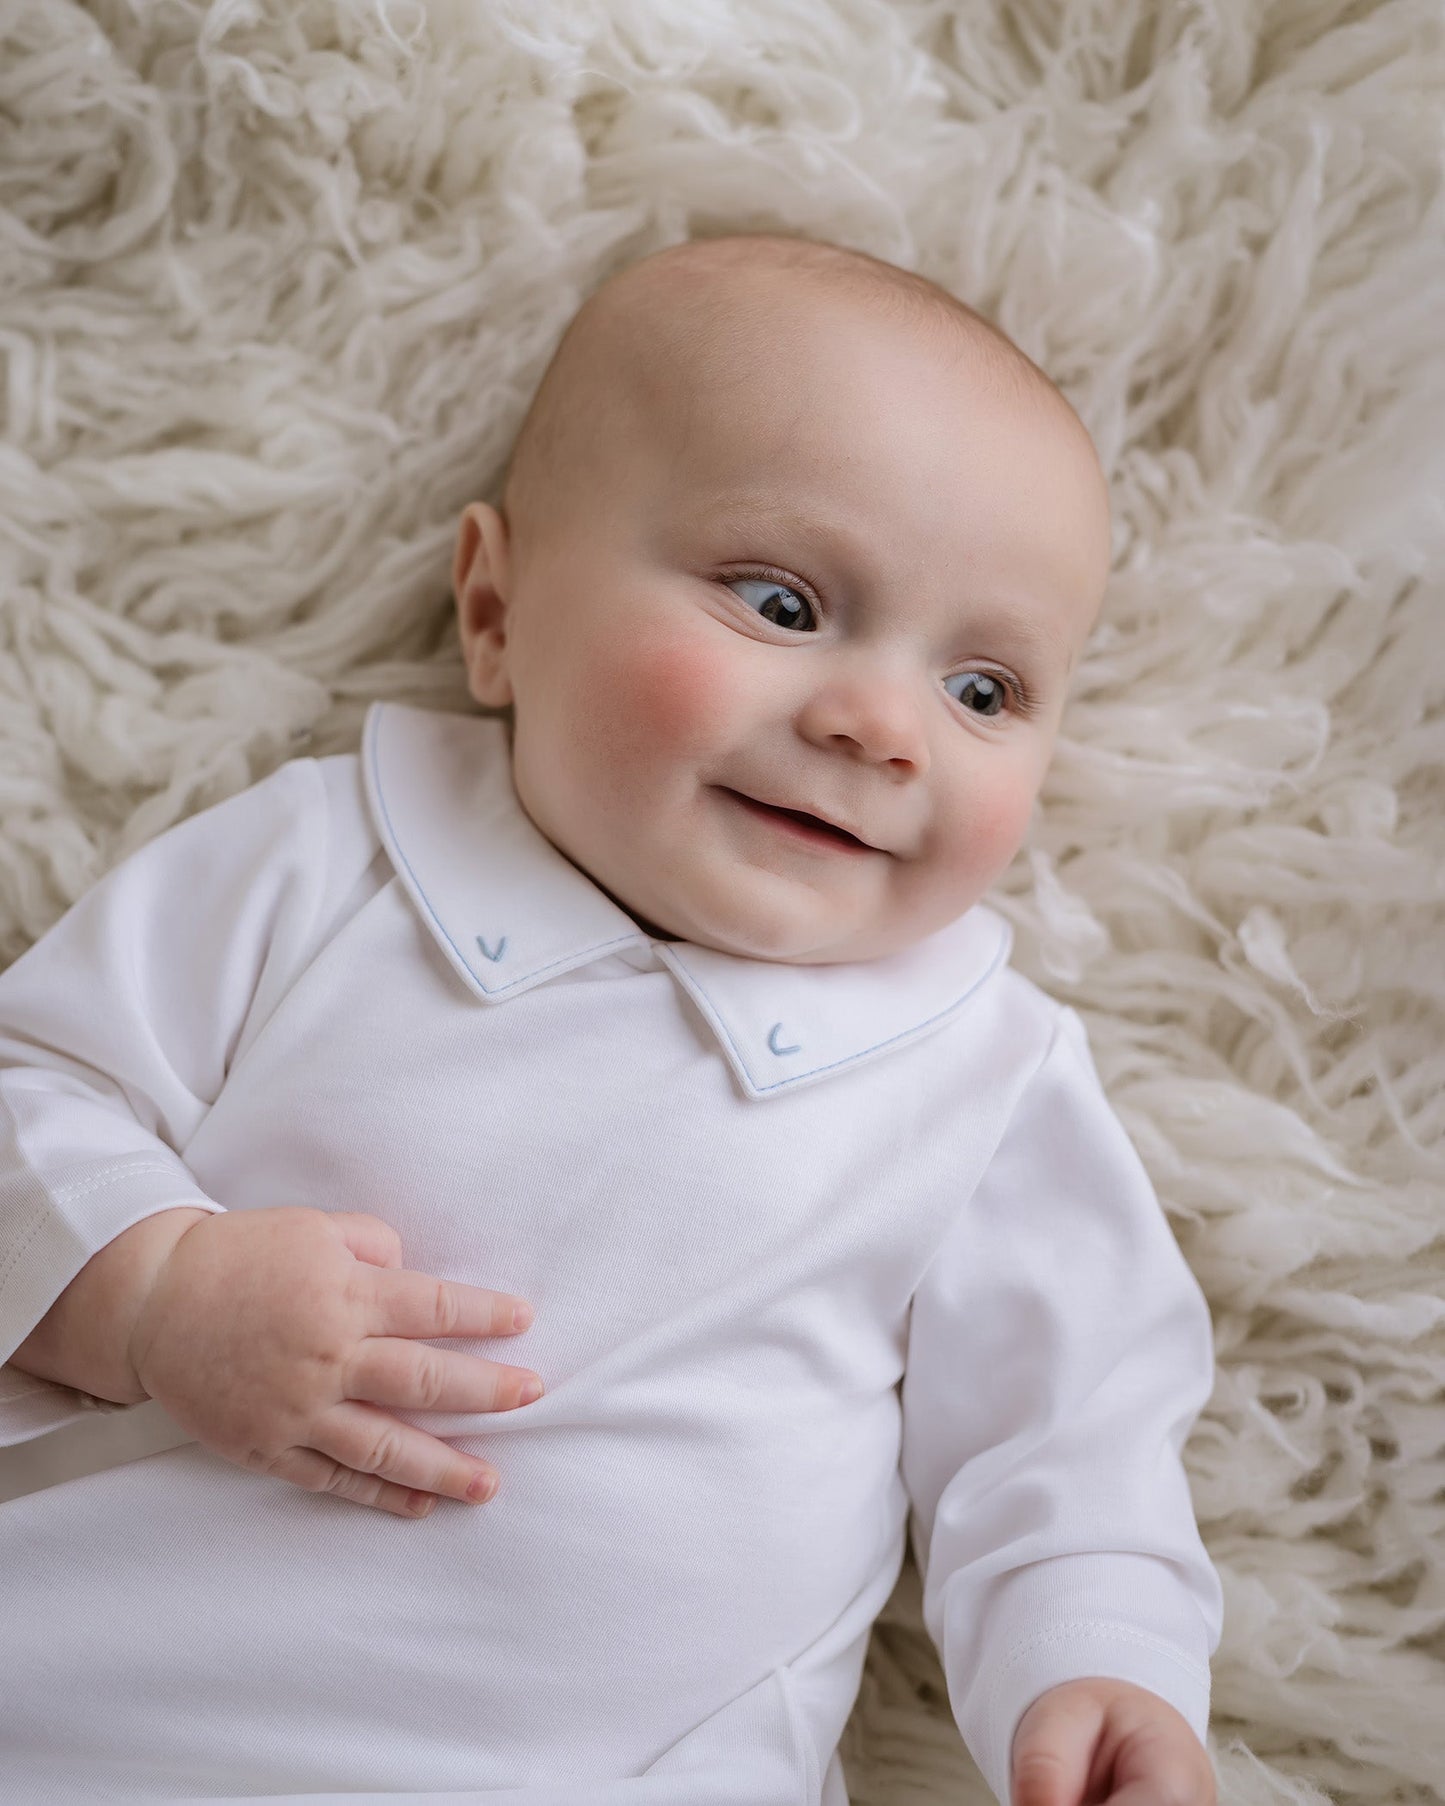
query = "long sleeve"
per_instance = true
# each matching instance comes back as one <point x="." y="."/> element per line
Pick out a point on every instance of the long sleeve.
<point x="117" y="1029"/>
<point x="1059" y="1353"/>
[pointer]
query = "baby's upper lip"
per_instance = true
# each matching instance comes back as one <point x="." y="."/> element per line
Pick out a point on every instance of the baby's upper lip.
<point x="817" y="814"/>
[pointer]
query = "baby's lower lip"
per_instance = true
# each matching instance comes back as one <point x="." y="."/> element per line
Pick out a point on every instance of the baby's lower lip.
<point x="801" y="831"/>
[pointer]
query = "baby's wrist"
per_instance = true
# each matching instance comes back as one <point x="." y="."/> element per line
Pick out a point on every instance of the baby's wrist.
<point x="84" y="1340"/>
<point x="135" y="1274"/>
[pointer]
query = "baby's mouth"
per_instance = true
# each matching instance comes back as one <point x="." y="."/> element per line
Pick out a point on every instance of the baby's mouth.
<point x="812" y="825"/>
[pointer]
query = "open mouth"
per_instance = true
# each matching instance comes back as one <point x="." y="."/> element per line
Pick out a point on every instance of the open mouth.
<point x="809" y="827"/>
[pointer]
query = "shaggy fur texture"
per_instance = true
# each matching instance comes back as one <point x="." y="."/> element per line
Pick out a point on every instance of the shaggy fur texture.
<point x="276" y="280"/>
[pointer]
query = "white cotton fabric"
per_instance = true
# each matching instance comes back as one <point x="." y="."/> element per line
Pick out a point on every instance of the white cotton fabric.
<point x="815" y="1252"/>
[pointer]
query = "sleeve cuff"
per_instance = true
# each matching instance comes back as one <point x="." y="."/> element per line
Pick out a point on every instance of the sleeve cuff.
<point x="31" y="1407"/>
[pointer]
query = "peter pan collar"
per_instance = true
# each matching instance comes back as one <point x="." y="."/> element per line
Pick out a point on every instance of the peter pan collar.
<point x="509" y="912"/>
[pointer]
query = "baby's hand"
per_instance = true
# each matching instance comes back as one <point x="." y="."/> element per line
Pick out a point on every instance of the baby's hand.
<point x="1094" y="1741"/>
<point x="275" y="1336"/>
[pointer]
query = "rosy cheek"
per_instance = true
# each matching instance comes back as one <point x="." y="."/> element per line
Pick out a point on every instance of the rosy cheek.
<point x="995" y="822"/>
<point x="667" y="698"/>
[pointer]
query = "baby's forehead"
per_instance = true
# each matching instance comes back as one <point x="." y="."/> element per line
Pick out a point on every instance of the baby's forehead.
<point x="751" y="337"/>
<point x="763" y="359"/>
<point x="736" y="339"/>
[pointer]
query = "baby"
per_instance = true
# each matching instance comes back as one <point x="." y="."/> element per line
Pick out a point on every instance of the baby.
<point x="663" y="998"/>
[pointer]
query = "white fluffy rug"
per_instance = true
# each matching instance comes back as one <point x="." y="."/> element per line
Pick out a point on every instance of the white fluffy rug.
<point x="276" y="279"/>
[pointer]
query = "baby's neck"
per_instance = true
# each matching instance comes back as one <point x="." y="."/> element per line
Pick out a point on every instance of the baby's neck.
<point x="647" y="927"/>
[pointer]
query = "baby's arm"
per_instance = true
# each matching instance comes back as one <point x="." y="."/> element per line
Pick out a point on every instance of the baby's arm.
<point x="1059" y="1352"/>
<point x="117" y="1031"/>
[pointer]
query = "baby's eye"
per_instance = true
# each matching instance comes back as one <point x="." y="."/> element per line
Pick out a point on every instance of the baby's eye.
<point x="983" y="694"/>
<point x="771" y="599"/>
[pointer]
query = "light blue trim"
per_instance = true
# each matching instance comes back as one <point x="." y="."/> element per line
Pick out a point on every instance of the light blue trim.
<point x="720" y="1024"/>
<point x="773" y="1043"/>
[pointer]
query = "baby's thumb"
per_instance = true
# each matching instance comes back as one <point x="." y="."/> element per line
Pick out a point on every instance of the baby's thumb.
<point x="369" y="1238"/>
<point x="1052" y="1750"/>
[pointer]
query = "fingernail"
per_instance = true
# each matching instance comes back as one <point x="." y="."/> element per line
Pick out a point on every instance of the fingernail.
<point x="482" y="1488"/>
<point x="521" y="1316"/>
<point x="530" y="1393"/>
<point x="420" y="1503"/>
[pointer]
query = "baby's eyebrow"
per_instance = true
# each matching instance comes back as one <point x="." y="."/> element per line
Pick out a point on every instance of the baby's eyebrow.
<point x="994" y="622"/>
<point x="755" y="514"/>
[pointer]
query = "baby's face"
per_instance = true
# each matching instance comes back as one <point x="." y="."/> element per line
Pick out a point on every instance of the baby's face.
<point x="849" y="584"/>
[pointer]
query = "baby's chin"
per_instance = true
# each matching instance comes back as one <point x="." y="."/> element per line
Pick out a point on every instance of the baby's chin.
<point x="759" y="936"/>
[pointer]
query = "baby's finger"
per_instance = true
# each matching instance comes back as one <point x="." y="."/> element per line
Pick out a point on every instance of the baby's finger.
<point x="406" y="1303"/>
<point x="388" y="1370"/>
<point x="1162" y="1761"/>
<point x="315" y="1472"/>
<point x="1176" y="1789"/>
<point x="379" y="1447"/>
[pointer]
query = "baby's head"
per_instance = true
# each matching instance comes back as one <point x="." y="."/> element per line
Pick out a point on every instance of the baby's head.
<point x="786" y="529"/>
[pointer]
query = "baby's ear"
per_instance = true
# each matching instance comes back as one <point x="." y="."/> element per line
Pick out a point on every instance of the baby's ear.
<point x="480" y="583"/>
<point x="482" y="551"/>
